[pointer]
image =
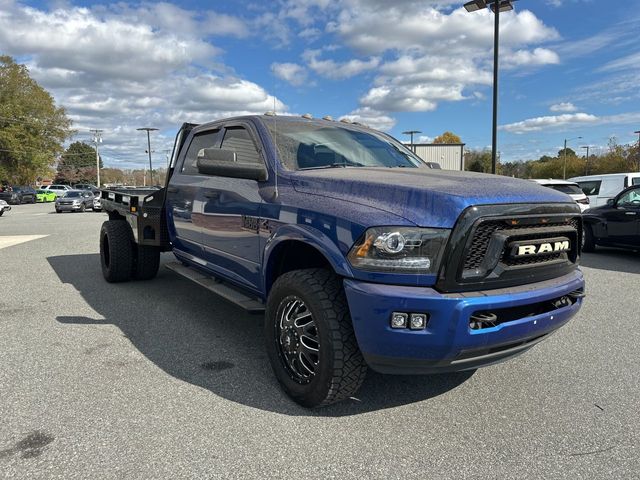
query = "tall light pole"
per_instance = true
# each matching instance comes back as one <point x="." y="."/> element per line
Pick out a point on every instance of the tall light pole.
<point x="586" y="162"/>
<point x="149" y="129"/>
<point x="496" y="6"/>
<point x="638" y="132"/>
<point x="564" y="155"/>
<point x="97" y="138"/>
<point x="411" y="132"/>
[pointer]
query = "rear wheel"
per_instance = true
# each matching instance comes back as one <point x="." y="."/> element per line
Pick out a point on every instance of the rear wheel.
<point x="310" y="339"/>
<point x="588" y="241"/>
<point x="116" y="251"/>
<point x="146" y="262"/>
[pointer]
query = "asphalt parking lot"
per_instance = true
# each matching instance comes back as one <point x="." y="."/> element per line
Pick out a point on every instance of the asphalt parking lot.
<point x="161" y="379"/>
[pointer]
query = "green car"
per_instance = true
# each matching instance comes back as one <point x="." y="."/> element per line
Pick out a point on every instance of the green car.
<point x="45" y="196"/>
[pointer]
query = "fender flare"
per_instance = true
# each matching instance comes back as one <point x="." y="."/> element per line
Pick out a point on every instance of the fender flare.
<point x="309" y="236"/>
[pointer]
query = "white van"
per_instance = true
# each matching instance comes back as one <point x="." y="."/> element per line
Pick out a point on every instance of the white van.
<point x="600" y="188"/>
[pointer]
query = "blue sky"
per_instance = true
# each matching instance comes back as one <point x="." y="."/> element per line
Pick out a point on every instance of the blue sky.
<point x="569" y="67"/>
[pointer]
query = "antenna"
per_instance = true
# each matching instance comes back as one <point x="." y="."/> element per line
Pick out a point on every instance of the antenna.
<point x="275" y="141"/>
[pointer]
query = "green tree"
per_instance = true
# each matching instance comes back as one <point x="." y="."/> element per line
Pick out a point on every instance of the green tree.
<point x="32" y="127"/>
<point x="447" y="138"/>
<point x="78" y="164"/>
<point x="478" y="161"/>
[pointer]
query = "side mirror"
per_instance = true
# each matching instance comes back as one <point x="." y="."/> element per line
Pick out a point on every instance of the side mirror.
<point x="223" y="163"/>
<point x="611" y="202"/>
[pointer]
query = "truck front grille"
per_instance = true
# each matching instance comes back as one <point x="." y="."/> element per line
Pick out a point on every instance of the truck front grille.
<point x="486" y="229"/>
<point x="490" y="246"/>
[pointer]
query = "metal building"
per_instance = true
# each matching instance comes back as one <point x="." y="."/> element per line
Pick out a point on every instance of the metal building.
<point x="448" y="156"/>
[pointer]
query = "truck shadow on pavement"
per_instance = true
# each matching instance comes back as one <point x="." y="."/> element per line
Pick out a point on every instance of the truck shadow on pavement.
<point x="625" y="261"/>
<point x="196" y="337"/>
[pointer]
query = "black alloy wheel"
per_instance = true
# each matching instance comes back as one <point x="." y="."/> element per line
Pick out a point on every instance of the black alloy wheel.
<point x="297" y="339"/>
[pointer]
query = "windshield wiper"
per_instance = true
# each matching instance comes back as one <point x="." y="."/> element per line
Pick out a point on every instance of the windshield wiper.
<point x="334" y="165"/>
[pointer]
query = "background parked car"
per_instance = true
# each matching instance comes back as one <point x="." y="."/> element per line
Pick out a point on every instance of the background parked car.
<point x="601" y="188"/>
<point x="18" y="195"/>
<point x="570" y="188"/>
<point x="84" y="186"/>
<point x="616" y="224"/>
<point x="74" y="201"/>
<point x="4" y="207"/>
<point x="59" y="190"/>
<point x="45" y="196"/>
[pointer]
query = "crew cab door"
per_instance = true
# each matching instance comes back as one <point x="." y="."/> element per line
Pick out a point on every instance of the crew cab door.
<point x="230" y="213"/>
<point x="623" y="218"/>
<point x="184" y="206"/>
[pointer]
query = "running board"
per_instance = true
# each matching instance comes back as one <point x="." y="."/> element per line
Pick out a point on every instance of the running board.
<point x="224" y="290"/>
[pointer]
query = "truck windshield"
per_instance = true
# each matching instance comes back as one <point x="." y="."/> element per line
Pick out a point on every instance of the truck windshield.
<point x="313" y="145"/>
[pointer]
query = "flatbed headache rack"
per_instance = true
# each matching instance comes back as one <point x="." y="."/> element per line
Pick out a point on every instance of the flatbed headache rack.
<point x="143" y="209"/>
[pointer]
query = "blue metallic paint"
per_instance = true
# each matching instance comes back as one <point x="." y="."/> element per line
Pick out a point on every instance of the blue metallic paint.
<point x="330" y="209"/>
<point x="448" y="329"/>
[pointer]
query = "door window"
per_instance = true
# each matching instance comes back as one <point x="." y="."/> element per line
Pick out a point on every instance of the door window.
<point x="635" y="181"/>
<point x="590" y="187"/>
<point x="239" y="140"/>
<point x="210" y="139"/>
<point x="631" y="198"/>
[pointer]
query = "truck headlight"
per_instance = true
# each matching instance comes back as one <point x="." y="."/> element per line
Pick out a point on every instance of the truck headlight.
<point x="399" y="249"/>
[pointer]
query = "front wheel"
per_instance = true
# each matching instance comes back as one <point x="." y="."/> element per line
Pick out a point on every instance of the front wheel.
<point x="310" y="339"/>
<point x="83" y="207"/>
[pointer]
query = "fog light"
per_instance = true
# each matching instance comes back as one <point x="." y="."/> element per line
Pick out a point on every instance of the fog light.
<point x="418" y="321"/>
<point x="399" y="320"/>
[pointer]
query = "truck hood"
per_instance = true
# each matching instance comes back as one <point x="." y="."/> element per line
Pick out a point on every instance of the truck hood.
<point x="426" y="197"/>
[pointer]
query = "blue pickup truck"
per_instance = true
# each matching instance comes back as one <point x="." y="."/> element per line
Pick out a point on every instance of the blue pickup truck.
<point x="359" y="255"/>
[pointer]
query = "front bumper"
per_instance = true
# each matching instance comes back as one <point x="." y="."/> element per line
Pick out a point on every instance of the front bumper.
<point x="448" y="343"/>
<point x="68" y="208"/>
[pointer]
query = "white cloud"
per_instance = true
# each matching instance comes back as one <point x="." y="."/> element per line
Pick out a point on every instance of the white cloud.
<point x="530" y="58"/>
<point x="569" y="120"/>
<point x="119" y="67"/>
<point x="338" y="70"/>
<point x="563" y="107"/>
<point x="625" y="63"/>
<point x="293" y="73"/>
<point x="371" y="118"/>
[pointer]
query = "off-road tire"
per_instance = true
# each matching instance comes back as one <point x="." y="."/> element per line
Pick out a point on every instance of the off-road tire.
<point x="589" y="244"/>
<point x="116" y="251"/>
<point x="146" y="262"/>
<point x="341" y="367"/>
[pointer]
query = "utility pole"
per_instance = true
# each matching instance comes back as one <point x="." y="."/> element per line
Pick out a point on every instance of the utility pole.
<point x="586" y="163"/>
<point x="149" y="129"/>
<point x="638" y="152"/>
<point x="97" y="138"/>
<point x="564" y="155"/>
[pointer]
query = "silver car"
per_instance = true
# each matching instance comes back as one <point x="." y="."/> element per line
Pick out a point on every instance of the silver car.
<point x="4" y="207"/>
<point x="74" y="201"/>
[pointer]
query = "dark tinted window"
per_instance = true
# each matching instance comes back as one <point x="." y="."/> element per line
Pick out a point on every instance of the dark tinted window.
<point x="568" y="189"/>
<point x="209" y="139"/>
<point x="72" y="194"/>
<point x="635" y="181"/>
<point x="307" y="145"/>
<point x="591" y="187"/>
<point x="238" y="140"/>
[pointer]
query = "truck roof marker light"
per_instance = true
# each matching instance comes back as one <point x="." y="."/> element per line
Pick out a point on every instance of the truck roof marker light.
<point x="270" y="113"/>
<point x="328" y="118"/>
<point x="308" y="116"/>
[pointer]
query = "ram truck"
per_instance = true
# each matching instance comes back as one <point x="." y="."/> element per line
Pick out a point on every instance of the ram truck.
<point x="358" y="254"/>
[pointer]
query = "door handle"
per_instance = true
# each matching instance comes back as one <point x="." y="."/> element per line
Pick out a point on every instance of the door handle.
<point x="212" y="195"/>
<point x="630" y="213"/>
<point x="173" y="189"/>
